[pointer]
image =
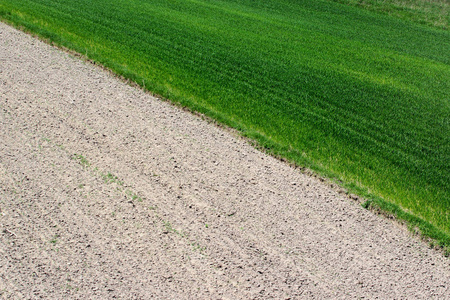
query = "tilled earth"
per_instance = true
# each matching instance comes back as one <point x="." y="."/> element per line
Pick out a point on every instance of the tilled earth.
<point x="107" y="192"/>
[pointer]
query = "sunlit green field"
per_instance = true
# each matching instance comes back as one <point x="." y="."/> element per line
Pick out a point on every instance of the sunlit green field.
<point x="359" y="97"/>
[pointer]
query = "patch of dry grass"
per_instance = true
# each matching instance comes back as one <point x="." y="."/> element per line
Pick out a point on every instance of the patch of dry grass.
<point x="434" y="13"/>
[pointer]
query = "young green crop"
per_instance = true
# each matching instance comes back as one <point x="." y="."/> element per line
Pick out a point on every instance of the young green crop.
<point x="360" y="97"/>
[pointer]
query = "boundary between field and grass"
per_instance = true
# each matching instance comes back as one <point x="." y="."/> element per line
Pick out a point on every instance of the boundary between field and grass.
<point x="436" y="238"/>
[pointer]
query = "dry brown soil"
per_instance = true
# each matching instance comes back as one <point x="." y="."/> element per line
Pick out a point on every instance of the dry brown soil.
<point x="107" y="192"/>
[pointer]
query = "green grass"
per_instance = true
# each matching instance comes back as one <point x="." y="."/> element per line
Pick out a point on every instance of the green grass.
<point x="359" y="97"/>
<point x="434" y="13"/>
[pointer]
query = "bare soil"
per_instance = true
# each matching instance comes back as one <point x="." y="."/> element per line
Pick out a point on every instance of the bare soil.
<point x="107" y="192"/>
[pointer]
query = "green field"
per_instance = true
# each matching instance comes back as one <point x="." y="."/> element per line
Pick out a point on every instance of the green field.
<point x="360" y="97"/>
